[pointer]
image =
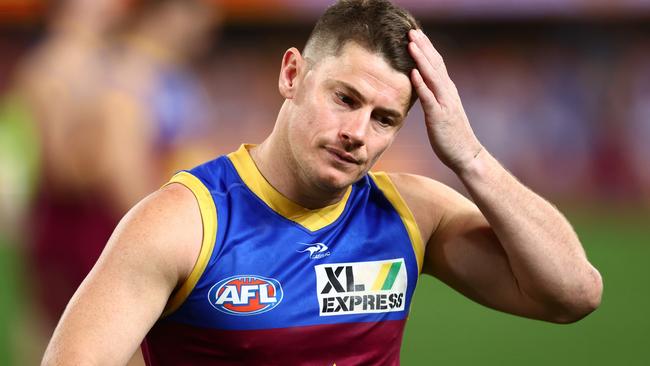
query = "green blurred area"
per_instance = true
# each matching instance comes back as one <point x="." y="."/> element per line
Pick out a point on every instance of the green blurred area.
<point x="10" y="301"/>
<point x="447" y="329"/>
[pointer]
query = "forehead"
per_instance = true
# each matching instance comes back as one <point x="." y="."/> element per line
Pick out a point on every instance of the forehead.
<point x="369" y="74"/>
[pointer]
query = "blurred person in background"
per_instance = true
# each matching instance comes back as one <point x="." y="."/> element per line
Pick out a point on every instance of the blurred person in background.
<point x="291" y="252"/>
<point x="634" y="87"/>
<point x="43" y="131"/>
<point x="155" y="109"/>
<point x="60" y="83"/>
<point x="112" y="102"/>
<point x="57" y="80"/>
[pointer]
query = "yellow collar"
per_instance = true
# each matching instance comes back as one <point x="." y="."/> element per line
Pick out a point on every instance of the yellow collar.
<point x="310" y="219"/>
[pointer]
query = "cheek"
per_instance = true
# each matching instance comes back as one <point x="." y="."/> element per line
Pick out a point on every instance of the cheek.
<point x="304" y="134"/>
<point x="318" y="124"/>
<point x="378" y="146"/>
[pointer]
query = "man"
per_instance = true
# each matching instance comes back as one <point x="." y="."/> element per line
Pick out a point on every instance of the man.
<point x="290" y="252"/>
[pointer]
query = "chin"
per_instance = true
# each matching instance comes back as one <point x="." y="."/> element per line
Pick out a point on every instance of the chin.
<point x="336" y="180"/>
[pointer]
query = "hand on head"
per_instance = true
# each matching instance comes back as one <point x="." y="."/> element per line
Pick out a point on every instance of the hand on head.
<point x="450" y="133"/>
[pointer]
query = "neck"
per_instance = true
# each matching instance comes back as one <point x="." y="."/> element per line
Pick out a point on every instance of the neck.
<point x="277" y="164"/>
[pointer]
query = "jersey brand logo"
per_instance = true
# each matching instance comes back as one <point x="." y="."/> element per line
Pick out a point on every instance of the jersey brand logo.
<point x="316" y="250"/>
<point x="362" y="287"/>
<point x="245" y="295"/>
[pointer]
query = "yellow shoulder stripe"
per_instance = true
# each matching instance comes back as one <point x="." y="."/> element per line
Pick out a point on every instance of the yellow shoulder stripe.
<point x="209" y="220"/>
<point x="390" y="191"/>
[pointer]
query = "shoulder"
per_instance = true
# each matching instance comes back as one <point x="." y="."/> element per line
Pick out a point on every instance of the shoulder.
<point x="430" y="191"/>
<point x="431" y="202"/>
<point x="165" y="228"/>
<point x="174" y="204"/>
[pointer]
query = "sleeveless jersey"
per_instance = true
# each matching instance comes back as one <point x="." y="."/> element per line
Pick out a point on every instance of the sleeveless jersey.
<point x="278" y="284"/>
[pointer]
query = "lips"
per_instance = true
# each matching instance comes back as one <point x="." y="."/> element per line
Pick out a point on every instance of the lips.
<point x="342" y="155"/>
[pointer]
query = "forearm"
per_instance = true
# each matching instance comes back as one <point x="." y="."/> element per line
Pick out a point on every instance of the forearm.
<point x="544" y="252"/>
<point x="90" y="335"/>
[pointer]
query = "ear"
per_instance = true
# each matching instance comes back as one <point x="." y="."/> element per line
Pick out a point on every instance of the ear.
<point x="292" y="67"/>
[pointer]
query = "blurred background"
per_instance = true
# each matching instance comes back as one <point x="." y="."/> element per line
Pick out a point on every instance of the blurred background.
<point x="101" y="101"/>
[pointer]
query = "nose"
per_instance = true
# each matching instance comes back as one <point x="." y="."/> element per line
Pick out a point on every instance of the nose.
<point x="353" y="132"/>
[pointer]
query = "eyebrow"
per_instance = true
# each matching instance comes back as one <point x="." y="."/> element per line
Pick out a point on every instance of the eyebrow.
<point x="385" y="111"/>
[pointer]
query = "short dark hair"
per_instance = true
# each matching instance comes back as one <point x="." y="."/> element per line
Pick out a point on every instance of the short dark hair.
<point x="376" y="25"/>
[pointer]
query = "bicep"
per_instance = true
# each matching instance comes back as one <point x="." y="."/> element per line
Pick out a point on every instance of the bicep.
<point x="468" y="258"/>
<point x="464" y="252"/>
<point x="127" y="290"/>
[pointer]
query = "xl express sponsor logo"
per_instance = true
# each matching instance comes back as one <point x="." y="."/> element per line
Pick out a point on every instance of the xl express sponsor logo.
<point x="245" y="295"/>
<point x="361" y="287"/>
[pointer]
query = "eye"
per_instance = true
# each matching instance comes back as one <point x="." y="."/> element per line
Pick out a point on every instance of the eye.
<point x="385" y="121"/>
<point x="345" y="99"/>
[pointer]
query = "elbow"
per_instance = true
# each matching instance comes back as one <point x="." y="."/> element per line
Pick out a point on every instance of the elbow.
<point x="580" y="302"/>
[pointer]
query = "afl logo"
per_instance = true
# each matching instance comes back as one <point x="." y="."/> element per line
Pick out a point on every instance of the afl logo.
<point x="245" y="295"/>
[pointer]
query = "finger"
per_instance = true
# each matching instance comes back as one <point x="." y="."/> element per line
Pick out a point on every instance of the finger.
<point x="427" y="98"/>
<point x="428" y="49"/>
<point x="432" y="78"/>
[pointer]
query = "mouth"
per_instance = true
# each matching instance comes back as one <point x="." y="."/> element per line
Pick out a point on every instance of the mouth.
<point x="342" y="156"/>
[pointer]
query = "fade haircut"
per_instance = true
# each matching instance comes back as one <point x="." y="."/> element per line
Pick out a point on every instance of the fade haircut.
<point x="376" y="25"/>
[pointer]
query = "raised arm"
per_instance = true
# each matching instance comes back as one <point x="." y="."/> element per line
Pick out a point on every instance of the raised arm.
<point x="151" y="252"/>
<point x="511" y="250"/>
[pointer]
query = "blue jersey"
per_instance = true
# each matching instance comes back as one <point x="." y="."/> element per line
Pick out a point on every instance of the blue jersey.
<point x="276" y="283"/>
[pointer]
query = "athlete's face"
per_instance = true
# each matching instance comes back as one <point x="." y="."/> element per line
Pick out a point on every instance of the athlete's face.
<point x="345" y="112"/>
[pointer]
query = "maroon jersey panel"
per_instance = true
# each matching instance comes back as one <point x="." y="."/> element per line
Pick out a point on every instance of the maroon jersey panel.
<point x="374" y="343"/>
